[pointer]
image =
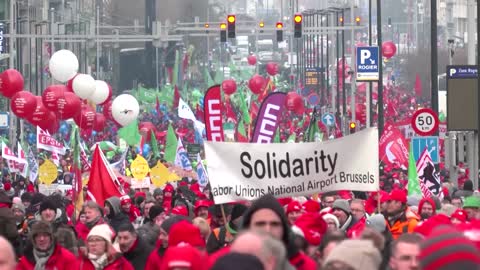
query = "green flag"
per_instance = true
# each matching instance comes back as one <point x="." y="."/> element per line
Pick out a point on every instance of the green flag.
<point x="176" y="67"/>
<point x="130" y="133"/>
<point x="276" y="139"/>
<point x="154" y="144"/>
<point x="208" y="78"/>
<point x="243" y="106"/>
<point x="292" y="138"/>
<point x="170" y="145"/>
<point x="413" y="184"/>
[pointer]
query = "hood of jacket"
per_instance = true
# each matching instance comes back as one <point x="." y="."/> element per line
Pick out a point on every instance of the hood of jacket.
<point x="426" y="200"/>
<point x="115" y="203"/>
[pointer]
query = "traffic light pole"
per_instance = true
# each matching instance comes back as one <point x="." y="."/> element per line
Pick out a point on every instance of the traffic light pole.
<point x="380" y="69"/>
<point x="352" y="57"/>
<point x="369" y="122"/>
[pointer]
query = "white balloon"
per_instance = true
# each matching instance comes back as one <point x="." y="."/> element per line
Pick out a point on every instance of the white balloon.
<point x="125" y="109"/>
<point x="101" y="93"/>
<point x="63" y="65"/>
<point x="83" y="85"/>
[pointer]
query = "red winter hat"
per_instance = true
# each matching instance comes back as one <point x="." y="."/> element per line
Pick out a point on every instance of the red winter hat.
<point x="294" y="206"/>
<point x="345" y="194"/>
<point x="124" y="200"/>
<point x="195" y="187"/>
<point x="311" y="206"/>
<point x="7" y="186"/>
<point x="471" y="230"/>
<point x="427" y="226"/>
<point x="31" y="188"/>
<point x="460" y="214"/>
<point x="183" y="184"/>
<point x="185" y="232"/>
<point x="313" y="227"/>
<point x="447" y="248"/>
<point x="202" y="203"/>
<point x="180" y="210"/>
<point x="140" y="194"/>
<point x="183" y="256"/>
<point x="398" y="195"/>
<point x="168" y="188"/>
<point x="285" y="201"/>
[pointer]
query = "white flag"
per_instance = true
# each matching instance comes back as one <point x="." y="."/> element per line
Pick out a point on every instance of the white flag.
<point x="32" y="166"/>
<point x="201" y="172"/>
<point x="22" y="164"/>
<point x="181" y="158"/>
<point x="184" y="111"/>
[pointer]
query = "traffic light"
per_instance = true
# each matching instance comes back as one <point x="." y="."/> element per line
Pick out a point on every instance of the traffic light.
<point x="223" y="32"/>
<point x="353" y="127"/>
<point x="231" y="26"/>
<point x="207" y="26"/>
<point x="297" y="29"/>
<point x="279" y="31"/>
<point x="261" y="24"/>
<point x="389" y="22"/>
<point x="358" y="20"/>
<point x="340" y="20"/>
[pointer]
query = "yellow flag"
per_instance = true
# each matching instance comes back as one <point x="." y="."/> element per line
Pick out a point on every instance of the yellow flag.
<point x="159" y="174"/>
<point x="47" y="173"/>
<point x="139" y="168"/>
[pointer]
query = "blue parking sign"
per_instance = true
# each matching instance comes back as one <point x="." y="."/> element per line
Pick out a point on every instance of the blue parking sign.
<point x="432" y="143"/>
<point x="367" y="63"/>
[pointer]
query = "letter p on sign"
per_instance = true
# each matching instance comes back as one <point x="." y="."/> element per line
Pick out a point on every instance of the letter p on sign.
<point x="364" y="55"/>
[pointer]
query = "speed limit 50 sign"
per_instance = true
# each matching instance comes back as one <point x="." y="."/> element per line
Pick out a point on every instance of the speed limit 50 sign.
<point x="425" y="122"/>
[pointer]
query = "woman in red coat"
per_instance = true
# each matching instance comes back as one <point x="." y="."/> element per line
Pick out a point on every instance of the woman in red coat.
<point x="44" y="253"/>
<point x="100" y="255"/>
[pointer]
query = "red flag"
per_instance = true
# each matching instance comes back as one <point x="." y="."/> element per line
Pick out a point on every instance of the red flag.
<point x="213" y="114"/>
<point x="103" y="183"/>
<point x="157" y="105"/>
<point x="393" y="148"/>
<point x="418" y="86"/>
<point x="176" y="97"/>
<point x="199" y="114"/>
<point x="253" y="110"/>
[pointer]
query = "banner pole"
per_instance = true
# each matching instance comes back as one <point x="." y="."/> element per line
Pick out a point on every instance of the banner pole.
<point x="223" y="214"/>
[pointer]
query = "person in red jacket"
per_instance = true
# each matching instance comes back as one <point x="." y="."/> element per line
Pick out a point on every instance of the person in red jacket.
<point x="129" y="209"/>
<point x="100" y="254"/>
<point x="44" y="253"/>
<point x="426" y="208"/>
<point x="93" y="216"/>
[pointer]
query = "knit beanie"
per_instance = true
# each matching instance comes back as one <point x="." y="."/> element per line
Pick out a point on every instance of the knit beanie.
<point x="155" y="211"/>
<point x="472" y="202"/>
<point x="168" y="223"/>
<point x="342" y="205"/>
<point x="294" y="206"/>
<point x="311" y="206"/>
<point x="448" y="249"/>
<point x="41" y="227"/>
<point x="47" y="204"/>
<point x="460" y="214"/>
<point x="19" y="206"/>
<point x="328" y="216"/>
<point x="237" y="211"/>
<point x="185" y="232"/>
<point x="313" y="227"/>
<point x="183" y="257"/>
<point x="377" y="222"/>
<point x="180" y="210"/>
<point x="157" y="192"/>
<point x="104" y="231"/>
<point x="358" y="254"/>
<point x="268" y="202"/>
<point x="238" y="261"/>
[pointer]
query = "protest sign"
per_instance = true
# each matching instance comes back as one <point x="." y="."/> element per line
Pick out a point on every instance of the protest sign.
<point x="242" y="171"/>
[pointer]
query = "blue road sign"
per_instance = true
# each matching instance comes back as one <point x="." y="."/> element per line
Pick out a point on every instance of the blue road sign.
<point x="462" y="72"/>
<point x="367" y="63"/>
<point x="4" y="120"/>
<point x="328" y="119"/>
<point x="432" y="143"/>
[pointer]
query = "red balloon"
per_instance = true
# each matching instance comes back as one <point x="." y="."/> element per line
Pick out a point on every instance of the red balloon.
<point x="229" y="86"/>
<point x="70" y="84"/>
<point x="107" y="110"/>
<point x="389" y="49"/>
<point x="272" y="68"/>
<point x="252" y="60"/>
<point x="23" y="104"/>
<point x="12" y="82"/>
<point x="256" y="84"/>
<point x="41" y="113"/>
<point x="68" y="105"/>
<point x="51" y="94"/>
<point x="85" y="118"/>
<point x="99" y="123"/>
<point x="293" y="102"/>
<point x="51" y="125"/>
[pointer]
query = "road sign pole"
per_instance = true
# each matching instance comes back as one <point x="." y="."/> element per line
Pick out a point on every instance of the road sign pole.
<point x="354" y="79"/>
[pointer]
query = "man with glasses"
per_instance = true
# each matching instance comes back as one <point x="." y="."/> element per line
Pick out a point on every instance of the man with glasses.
<point x="327" y="200"/>
<point x="357" y="207"/>
<point x="405" y="251"/>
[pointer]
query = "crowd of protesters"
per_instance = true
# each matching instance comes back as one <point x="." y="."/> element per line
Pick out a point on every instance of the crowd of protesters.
<point x="180" y="228"/>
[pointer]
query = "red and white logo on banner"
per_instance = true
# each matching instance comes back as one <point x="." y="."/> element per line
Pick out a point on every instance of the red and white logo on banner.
<point x="47" y="142"/>
<point x="15" y="164"/>
<point x="393" y="147"/>
<point x="213" y="114"/>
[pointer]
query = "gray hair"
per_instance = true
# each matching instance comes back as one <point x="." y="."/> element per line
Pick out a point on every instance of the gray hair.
<point x="270" y="247"/>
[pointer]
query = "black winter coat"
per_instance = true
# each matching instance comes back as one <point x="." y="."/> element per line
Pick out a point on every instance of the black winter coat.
<point x="139" y="254"/>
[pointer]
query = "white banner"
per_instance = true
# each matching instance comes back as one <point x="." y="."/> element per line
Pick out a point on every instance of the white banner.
<point x="246" y="171"/>
<point x="47" y="142"/>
